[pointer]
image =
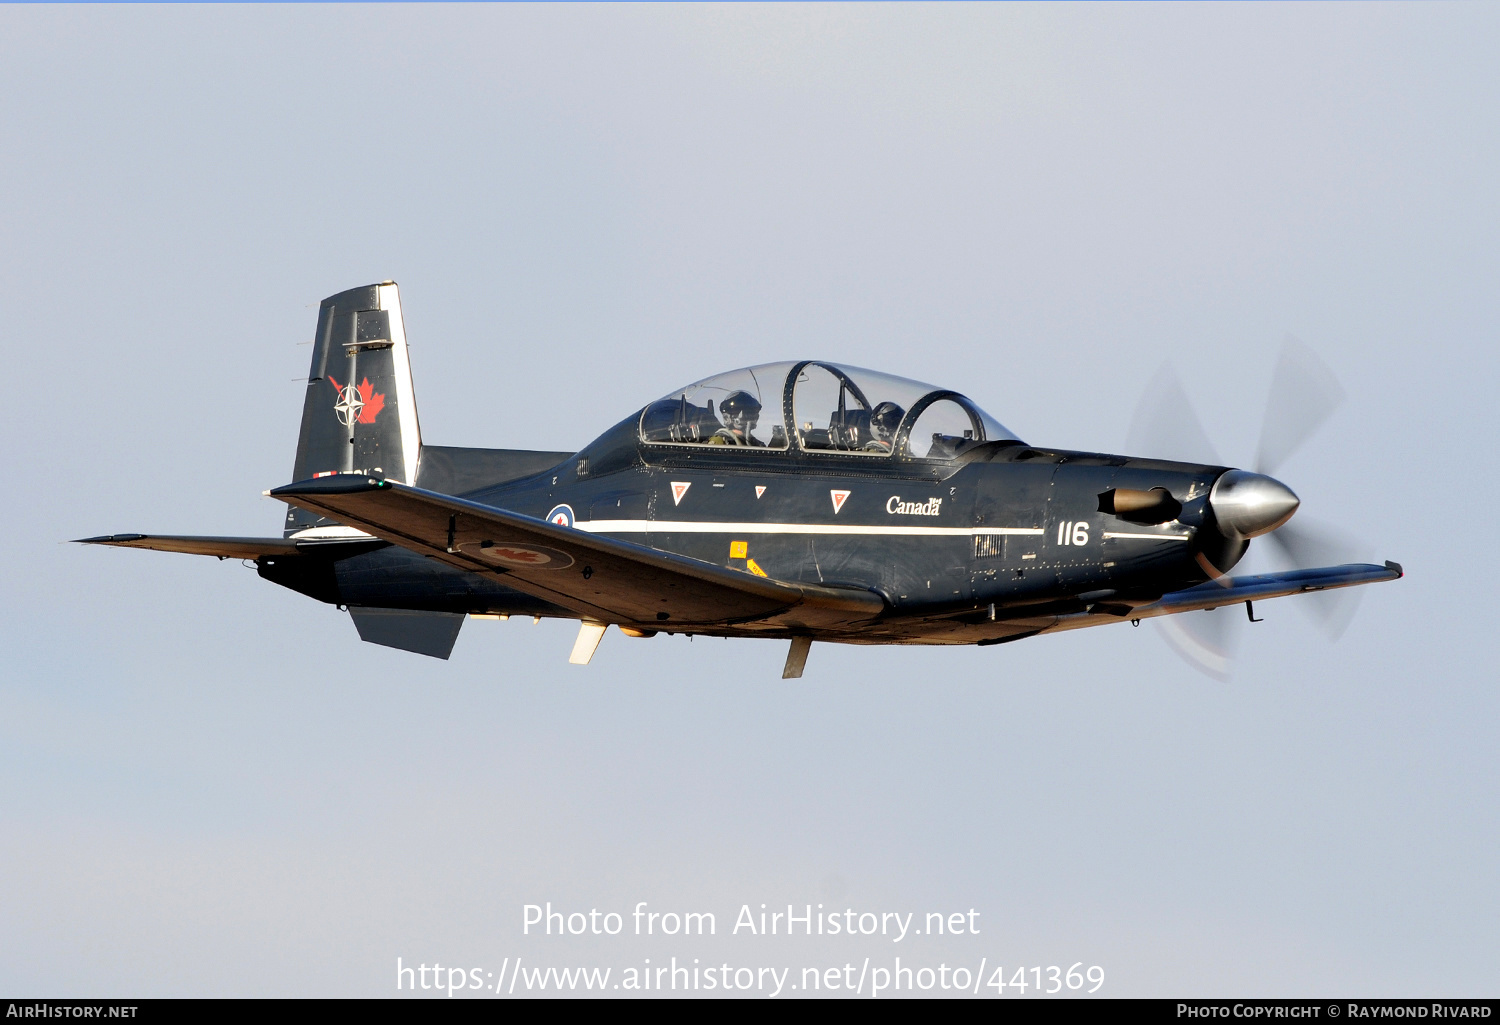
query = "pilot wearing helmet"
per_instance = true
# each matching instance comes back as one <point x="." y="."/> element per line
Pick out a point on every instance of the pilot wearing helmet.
<point x="885" y="418"/>
<point x="741" y="412"/>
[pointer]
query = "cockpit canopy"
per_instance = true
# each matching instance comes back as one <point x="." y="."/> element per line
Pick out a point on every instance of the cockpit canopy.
<point x="820" y="407"/>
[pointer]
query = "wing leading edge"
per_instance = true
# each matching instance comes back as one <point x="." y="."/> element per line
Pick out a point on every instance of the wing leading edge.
<point x="598" y="577"/>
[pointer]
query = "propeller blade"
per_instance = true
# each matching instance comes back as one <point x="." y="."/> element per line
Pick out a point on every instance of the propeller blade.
<point x="1165" y="426"/>
<point x="1309" y="544"/>
<point x="1205" y="640"/>
<point x="1304" y="393"/>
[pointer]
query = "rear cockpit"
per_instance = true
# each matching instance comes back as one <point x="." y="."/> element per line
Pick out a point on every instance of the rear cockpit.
<point x="820" y="408"/>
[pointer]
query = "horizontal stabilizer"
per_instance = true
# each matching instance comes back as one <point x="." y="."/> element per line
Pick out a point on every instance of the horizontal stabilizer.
<point x="599" y="578"/>
<point x="426" y="633"/>
<point x="222" y="547"/>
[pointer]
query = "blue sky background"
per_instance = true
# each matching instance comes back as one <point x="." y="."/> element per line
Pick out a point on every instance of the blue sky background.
<point x="208" y="785"/>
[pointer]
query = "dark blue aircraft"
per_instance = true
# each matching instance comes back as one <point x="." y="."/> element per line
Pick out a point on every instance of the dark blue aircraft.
<point x="802" y="501"/>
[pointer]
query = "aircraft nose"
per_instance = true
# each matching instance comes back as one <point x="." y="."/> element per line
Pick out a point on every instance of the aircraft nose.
<point x="1251" y="504"/>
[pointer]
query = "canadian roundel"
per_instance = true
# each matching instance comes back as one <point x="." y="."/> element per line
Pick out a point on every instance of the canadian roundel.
<point x="562" y="515"/>
<point x="525" y="556"/>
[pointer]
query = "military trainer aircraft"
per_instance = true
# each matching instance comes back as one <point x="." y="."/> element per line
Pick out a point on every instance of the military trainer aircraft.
<point x="802" y="500"/>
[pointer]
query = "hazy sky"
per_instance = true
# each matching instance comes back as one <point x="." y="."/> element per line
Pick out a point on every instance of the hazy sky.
<point x="208" y="785"/>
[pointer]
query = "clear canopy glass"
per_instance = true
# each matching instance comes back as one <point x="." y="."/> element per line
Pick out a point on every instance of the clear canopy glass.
<point x="740" y="409"/>
<point x="831" y="409"/>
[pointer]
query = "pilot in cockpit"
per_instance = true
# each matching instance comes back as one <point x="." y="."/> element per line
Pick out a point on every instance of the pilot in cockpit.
<point x="884" y="419"/>
<point x="741" y="412"/>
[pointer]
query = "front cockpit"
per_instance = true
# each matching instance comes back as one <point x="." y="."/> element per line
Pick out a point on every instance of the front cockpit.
<point x="821" y="408"/>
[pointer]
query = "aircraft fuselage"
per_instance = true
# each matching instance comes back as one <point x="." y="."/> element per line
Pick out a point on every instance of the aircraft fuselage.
<point x="996" y="545"/>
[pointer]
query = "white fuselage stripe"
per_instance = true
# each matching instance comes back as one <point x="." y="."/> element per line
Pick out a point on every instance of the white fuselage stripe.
<point x="1148" y="537"/>
<point x="709" y="527"/>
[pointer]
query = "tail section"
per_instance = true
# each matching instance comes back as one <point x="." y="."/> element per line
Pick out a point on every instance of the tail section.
<point x="360" y="414"/>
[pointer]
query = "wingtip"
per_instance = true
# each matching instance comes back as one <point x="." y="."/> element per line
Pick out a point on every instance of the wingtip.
<point x="1395" y="567"/>
<point x="107" y="539"/>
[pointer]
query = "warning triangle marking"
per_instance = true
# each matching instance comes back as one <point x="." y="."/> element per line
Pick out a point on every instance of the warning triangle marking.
<point x="760" y="489"/>
<point x="679" y="488"/>
<point x="838" y="500"/>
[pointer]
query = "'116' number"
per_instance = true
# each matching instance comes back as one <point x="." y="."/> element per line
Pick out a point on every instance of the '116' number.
<point x="1073" y="533"/>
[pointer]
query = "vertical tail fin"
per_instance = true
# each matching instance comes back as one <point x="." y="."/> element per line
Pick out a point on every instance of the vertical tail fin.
<point x="360" y="414"/>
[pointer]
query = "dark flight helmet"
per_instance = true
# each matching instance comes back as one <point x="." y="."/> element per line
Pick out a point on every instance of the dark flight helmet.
<point x="885" y="418"/>
<point x="740" y="410"/>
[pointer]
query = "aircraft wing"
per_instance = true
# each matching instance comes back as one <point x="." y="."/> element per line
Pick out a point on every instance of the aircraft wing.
<point x="598" y="577"/>
<point x="1234" y="590"/>
<point x="223" y="547"/>
<point x="1228" y="591"/>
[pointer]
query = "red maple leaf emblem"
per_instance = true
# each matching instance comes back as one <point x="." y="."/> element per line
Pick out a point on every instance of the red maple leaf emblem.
<point x="374" y="402"/>
<point x="370" y="401"/>
<point x="518" y="554"/>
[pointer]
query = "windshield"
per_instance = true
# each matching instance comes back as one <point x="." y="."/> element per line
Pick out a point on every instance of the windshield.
<point x="821" y="408"/>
